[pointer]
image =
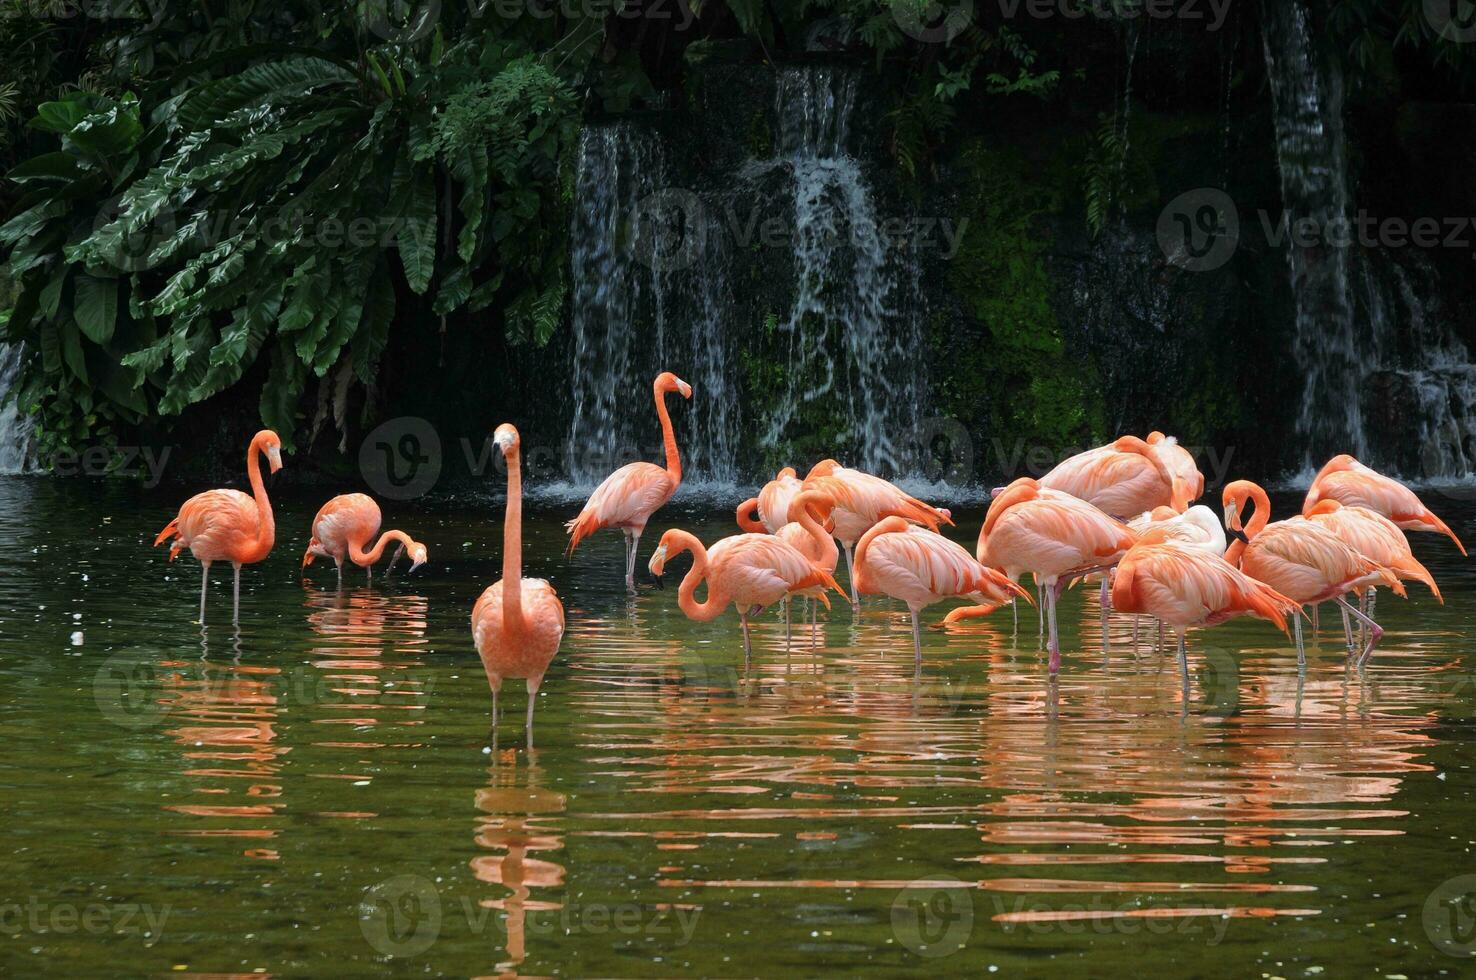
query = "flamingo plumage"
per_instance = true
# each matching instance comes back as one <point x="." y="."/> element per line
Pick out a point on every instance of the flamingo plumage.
<point x="1180" y="463"/>
<point x="919" y="566"/>
<point x="628" y="497"/>
<point x="1352" y="484"/>
<point x="1188" y="587"/>
<point x="769" y="511"/>
<point x="1052" y="534"/>
<point x="1375" y="536"/>
<point x="1122" y="479"/>
<point x="752" y="571"/>
<point x="1301" y="559"/>
<point x="861" y="501"/>
<point x="517" y="623"/>
<point x="228" y="525"/>
<point x="345" y="525"/>
<point x="1197" y="528"/>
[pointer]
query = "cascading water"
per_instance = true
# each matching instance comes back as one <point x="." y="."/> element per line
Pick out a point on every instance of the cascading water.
<point x="1307" y="97"/>
<point x="1379" y="366"/>
<point x="654" y="265"/>
<point x="636" y="296"/>
<point x="850" y="285"/>
<point x="16" y="450"/>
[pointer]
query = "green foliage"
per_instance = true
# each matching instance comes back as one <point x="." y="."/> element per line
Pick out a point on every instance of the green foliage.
<point x="284" y="213"/>
<point x="1016" y="377"/>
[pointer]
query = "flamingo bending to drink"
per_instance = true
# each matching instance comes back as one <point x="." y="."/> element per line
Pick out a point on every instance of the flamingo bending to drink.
<point x="348" y="522"/>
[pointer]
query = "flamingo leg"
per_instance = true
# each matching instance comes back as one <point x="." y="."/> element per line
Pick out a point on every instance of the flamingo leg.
<point x="532" y="700"/>
<point x="369" y="574"/>
<point x="1315" y="623"/>
<point x="236" y="608"/>
<point x="1040" y="609"/>
<point x="494" y="710"/>
<point x="814" y="605"/>
<point x="339" y="563"/>
<point x="630" y="569"/>
<point x="1347" y="631"/>
<point x="204" y="581"/>
<point x="1105" y="601"/>
<point x="1184" y="669"/>
<point x="1368" y="606"/>
<point x="786" y="623"/>
<point x="747" y="644"/>
<point x="1301" y="651"/>
<point x="851" y="577"/>
<point x="1052" y="594"/>
<point x="1015" y="615"/>
<point x="1135" y="631"/>
<point x="629" y="561"/>
<point x="916" y="644"/>
<point x="1375" y="631"/>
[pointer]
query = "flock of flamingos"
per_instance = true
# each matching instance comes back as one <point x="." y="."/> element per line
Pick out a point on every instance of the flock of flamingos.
<point x="1120" y="514"/>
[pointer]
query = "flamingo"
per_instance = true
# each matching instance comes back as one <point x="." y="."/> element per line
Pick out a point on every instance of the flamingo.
<point x="1375" y="536"/>
<point x="1349" y="482"/>
<point x="921" y="567"/>
<point x="1301" y="559"/>
<point x="861" y="500"/>
<point x="751" y="570"/>
<point x="1052" y="534"/>
<point x="769" y="511"/>
<point x="1196" y="528"/>
<point x="348" y="522"/>
<point x="227" y="525"/>
<point x="628" y="497"/>
<point x="1187" y="587"/>
<point x="1123" y="478"/>
<point x="517" y="623"/>
<point x="1180" y="463"/>
<point x="804" y="532"/>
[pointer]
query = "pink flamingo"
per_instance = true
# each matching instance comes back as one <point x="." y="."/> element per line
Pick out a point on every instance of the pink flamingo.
<point x="861" y="500"/>
<point x="806" y="534"/>
<point x="1180" y="463"/>
<point x="1352" y="484"/>
<point x="921" y="567"/>
<point x="345" y="524"/>
<point x="1053" y="535"/>
<point x="1188" y="587"/>
<point x="1123" y="479"/>
<point x="769" y="511"/>
<point x="1374" y="536"/>
<point x="227" y="525"/>
<point x="628" y="497"/>
<point x="751" y="570"/>
<point x="1197" y="527"/>
<point x="517" y="623"/>
<point x="1300" y="559"/>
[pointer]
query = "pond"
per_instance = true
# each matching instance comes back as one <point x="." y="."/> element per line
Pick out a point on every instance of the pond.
<point x="315" y="791"/>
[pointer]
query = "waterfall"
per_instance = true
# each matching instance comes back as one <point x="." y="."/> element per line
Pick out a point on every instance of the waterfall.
<point x="850" y="285"/>
<point x="832" y="304"/>
<point x="1385" y="380"/>
<point x="1307" y="98"/>
<point x="643" y="304"/>
<point x="16" y="444"/>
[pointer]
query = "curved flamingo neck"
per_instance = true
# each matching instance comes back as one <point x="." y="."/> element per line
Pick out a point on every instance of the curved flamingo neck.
<point x="1262" y="515"/>
<point x="687" y="595"/>
<point x="266" y="525"/>
<point x="512" y="543"/>
<point x="799" y="513"/>
<point x="748" y="517"/>
<point x="668" y="439"/>
<point x="890" y="525"/>
<point x="371" y="557"/>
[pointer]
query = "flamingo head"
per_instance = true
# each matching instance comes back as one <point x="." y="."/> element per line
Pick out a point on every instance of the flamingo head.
<point x="1235" y="497"/>
<point x="670" y="545"/>
<point x="666" y="381"/>
<point x="314" y="550"/>
<point x="417" y="555"/>
<point x="507" y="439"/>
<point x="826" y="467"/>
<point x="1326" y="506"/>
<point x="271" y="444"/>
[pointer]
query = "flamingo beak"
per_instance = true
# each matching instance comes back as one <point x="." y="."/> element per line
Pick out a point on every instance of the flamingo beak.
<point x="307" y="558"/>
<point x="1232" y="517"/>
<point x="657" y="565"/>
<point x="995" y="492"/>
<point x="274" y="457"/>
<point x="684" y="388"/>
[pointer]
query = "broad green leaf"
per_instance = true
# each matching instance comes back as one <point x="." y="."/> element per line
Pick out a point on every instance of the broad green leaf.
<point x="95" y="307"/>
